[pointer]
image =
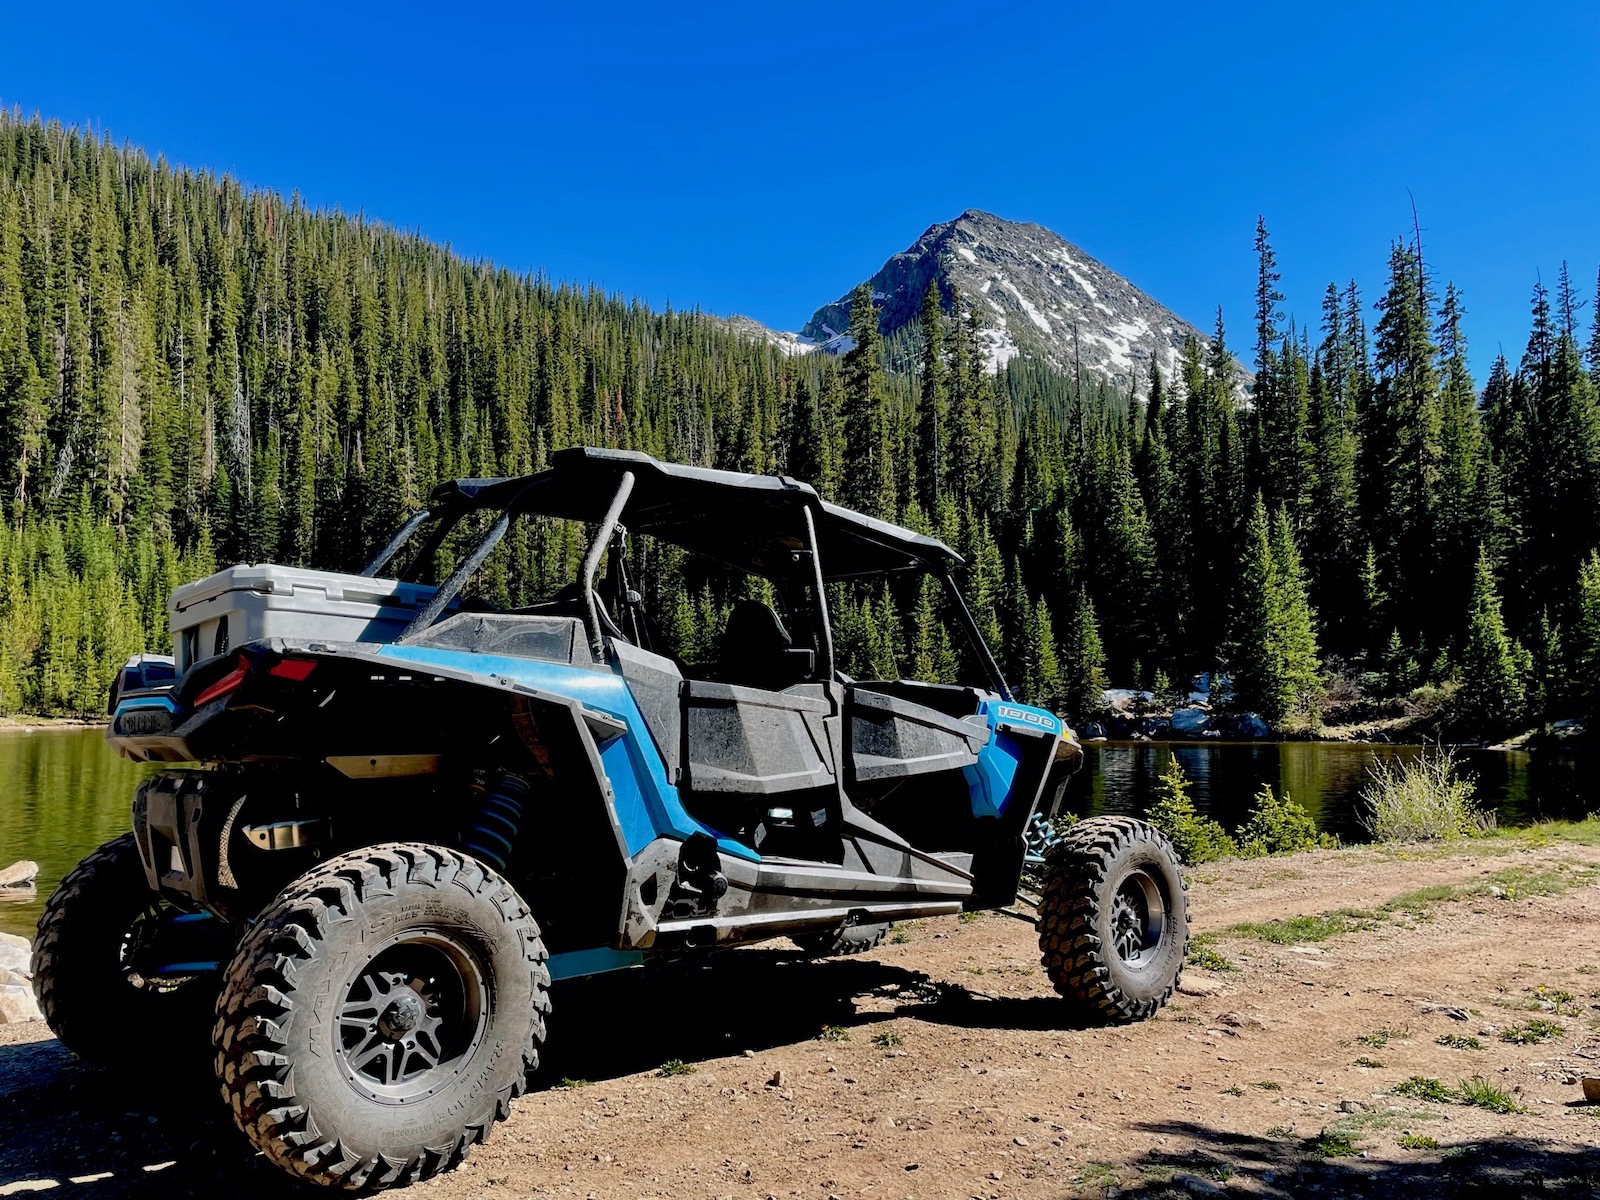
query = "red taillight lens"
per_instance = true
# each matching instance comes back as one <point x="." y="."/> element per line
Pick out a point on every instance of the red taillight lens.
<point x="226" y="684"/>
<point x="293" y="669"/>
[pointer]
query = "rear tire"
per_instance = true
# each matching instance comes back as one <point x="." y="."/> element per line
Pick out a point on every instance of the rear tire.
<point x="1113" y="919"/>
<point x="87" y="974"/>
<point x="847" y="939"/>
<point x="381" y="1015"/>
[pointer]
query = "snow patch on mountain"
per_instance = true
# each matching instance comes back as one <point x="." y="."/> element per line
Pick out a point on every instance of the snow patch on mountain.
<point x="1042" y="298"/>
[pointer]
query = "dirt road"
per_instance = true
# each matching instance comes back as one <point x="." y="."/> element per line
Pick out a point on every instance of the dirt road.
<point x="940" y="1066"/>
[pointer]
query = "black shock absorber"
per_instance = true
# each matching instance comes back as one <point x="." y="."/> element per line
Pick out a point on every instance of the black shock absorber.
<point x="499" y="800"/>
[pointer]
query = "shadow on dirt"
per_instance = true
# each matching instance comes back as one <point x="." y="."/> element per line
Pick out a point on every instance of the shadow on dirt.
<point x="611" y="1025"/>
<point x="1491" y="1169"/>
<point x="68" y="1130"/>
<point x="74" y="1131"/>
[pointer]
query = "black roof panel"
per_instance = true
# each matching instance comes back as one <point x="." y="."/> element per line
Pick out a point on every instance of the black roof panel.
<point x="754" y="522"/>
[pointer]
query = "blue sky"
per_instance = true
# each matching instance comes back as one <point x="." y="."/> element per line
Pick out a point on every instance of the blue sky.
<point x="762" y="159"/>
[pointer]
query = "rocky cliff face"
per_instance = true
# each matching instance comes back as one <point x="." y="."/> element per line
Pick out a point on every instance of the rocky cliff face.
<point x="1035" y="294"/>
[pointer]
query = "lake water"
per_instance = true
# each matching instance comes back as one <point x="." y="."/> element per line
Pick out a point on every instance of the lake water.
<point x="63" y="792"/>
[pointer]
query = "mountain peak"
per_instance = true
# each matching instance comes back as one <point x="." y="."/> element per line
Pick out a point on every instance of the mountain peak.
<point x="1034" y="293"/>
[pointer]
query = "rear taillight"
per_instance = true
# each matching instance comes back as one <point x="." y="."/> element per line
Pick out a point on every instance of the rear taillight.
<point x="226" y="684"/>
<point x="293" y="669"/>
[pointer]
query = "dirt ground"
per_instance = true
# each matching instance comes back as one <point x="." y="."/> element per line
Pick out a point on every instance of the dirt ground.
<point x="941" y="1065"/>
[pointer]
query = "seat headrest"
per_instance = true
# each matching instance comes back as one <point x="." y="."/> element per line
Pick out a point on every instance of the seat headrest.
<point x="752" y="625"/>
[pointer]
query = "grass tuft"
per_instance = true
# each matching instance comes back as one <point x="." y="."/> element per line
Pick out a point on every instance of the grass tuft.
<point x="673" y="1067"/>
<point x="1456" y="1041"/>
<point x="1332" y="1143"/>
<point x="888" y="1040"/>
<point x="1417" y="1141"/>
<point x="1480" y="1093"/>
<point x="1205" y="956"/>
<point x="833" y="1033"/>
<point x="1420" y="1087"/>
<point x="1539" y="1029"/>
<point x="1379" y="1038"/>
<point x="1369" y="1063"/>
<point x="1422" y="800"/>
<point x="1292" y="931"/>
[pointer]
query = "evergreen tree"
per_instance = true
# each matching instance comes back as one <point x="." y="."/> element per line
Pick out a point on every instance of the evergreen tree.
<point x="1258" y="677"/>
<point x="1046" y="685"/>
<point x="1301" y="668"/>
<point x="1586" y="641"/>
<point x="867" y="472"/>
<point x="931" y="405"/>
<point x="1083" y="662"/>
<point x="1491" y="696"/>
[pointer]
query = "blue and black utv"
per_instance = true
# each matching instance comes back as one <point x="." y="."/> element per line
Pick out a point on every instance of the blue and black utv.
<point x="407" y="808"/>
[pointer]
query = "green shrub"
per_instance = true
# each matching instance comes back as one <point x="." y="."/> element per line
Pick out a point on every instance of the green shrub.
<point x="1196" y="838"/>
<point x="1280" y="826"/>
<point x="675" y="1066"/>
<point x="1422" y="800"/>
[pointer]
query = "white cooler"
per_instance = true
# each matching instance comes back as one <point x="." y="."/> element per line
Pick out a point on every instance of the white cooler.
<point x="246" y="603"/>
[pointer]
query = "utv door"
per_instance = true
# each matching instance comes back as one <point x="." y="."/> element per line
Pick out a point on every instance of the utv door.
<point x="760" y="768"/>
<point x="893" y="736"/>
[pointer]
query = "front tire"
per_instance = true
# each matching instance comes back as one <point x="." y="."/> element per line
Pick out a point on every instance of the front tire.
<point x="381" y="1015"/>
<point x="100" y="936"/>
<point x="1114" y="919"/>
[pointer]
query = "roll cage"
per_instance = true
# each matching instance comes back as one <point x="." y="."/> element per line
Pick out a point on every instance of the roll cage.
<point x="770" y="526"/>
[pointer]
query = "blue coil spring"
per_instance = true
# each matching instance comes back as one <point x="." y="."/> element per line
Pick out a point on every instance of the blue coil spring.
<point x="500" y="801"/>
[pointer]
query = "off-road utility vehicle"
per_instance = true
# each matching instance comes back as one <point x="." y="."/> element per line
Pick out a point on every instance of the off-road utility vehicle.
<point x="409" y="810"/>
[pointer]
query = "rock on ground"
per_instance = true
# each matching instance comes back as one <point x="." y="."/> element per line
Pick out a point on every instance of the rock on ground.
<point x="18" y="1005"/>
<point x="16" y="954"/>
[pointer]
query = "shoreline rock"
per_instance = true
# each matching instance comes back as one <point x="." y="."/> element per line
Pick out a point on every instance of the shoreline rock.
<point x="17" y="1003"/>
<point x="19" y="874"/>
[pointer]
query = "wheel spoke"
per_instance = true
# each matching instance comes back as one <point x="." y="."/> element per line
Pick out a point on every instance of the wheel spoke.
<point x="371" y="1049"/>
<point x="425" y="1044"/>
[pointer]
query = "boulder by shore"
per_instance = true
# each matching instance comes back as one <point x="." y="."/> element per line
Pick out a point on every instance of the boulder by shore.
<point x="16" y="981"/>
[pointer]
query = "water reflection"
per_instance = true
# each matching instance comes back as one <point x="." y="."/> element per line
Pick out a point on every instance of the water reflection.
<point x="63" y="792"/>
<point x="1326" y="777"/>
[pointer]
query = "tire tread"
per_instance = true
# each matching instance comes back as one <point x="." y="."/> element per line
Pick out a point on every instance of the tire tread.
<point x="251" y="1060"/>
<point x="1070" y="944"/>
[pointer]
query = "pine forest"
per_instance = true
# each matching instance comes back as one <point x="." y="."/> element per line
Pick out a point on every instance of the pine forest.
<point x="193" y="374"/>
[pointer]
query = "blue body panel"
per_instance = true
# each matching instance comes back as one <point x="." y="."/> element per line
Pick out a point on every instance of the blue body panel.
<point x="647" y="804"/>
<point x="992" y="777"/>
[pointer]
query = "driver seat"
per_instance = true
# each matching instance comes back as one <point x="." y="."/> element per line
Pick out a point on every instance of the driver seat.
<point x="755" y="649"/>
